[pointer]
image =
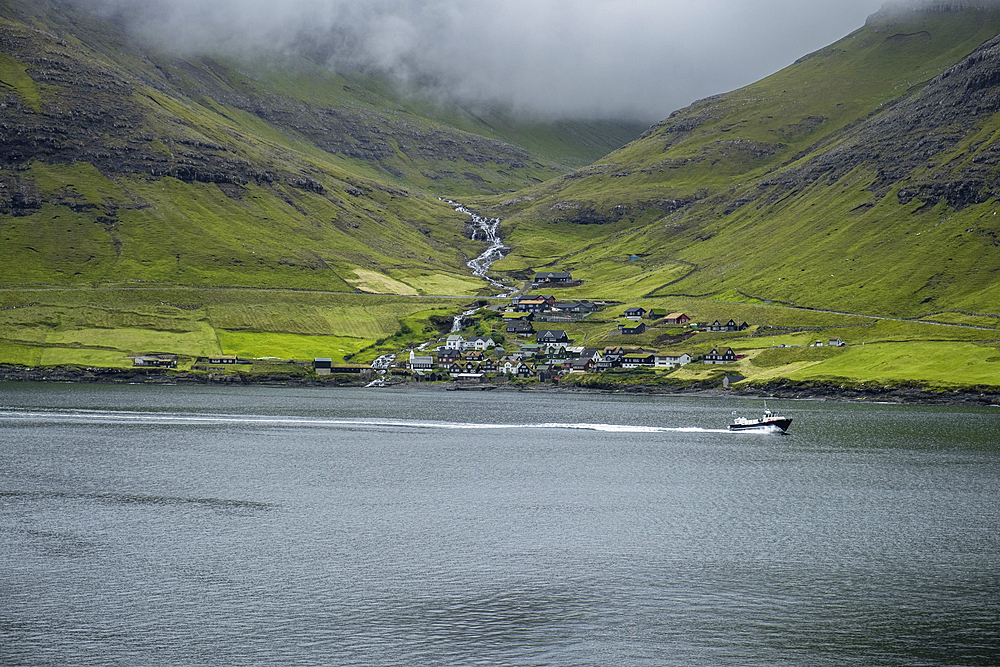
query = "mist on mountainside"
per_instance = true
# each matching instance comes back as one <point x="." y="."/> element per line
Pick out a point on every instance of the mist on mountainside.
<point x="637" y="59"/>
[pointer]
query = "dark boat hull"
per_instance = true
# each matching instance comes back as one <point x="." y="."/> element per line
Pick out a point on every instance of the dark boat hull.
<point x="764" y="425"/>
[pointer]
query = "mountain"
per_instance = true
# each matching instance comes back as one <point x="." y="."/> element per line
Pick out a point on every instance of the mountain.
<point x="863" y="177"/>
<point x="119" y="162"/>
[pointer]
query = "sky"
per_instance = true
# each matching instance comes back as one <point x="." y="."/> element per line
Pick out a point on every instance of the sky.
<point x="639" y="59"/>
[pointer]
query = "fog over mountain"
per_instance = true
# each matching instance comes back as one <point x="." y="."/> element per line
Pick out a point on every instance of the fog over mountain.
<point x="558" y="58"/>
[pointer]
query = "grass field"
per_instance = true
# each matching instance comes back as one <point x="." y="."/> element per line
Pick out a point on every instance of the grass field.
<point x="102" y="327"/>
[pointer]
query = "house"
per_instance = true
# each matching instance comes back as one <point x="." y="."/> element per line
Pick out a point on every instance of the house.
<point x="506" y="365"/>
<point x="421" y="363"/>
<point x="731" y="379"/>
<point x="635" y="313"/>
<point x="357" y="369"/>
<point x="677" y="318"/>
<point x="479" y="343"/>
<point x="474" y="356"/>
<point x="549" y="278"/>
<point x="547" y="372"/>
<point x="837" y="342"/>
<point x="583" y="365"/>
<point x="669" y="361"/>
<point x="560" y="365"/>
<point x="528" y="351"/>
<point x="714" y="357"/>
<point x="577" y="307"/>
<point x="552" y="336"/>
<point x="729" y="326"/>
<point x="489" y="366"/>
<point x="156" y="361"/>
<point x="631" y="331"/>
<point x="323" y="365"/>
<point x="514" y="366"/>
<point x="520" y="328"/>
<point x="609" y="361"/>
<point x="637" y="359"/>
<point x="454" y="342"/>
<point x="547" y="298"/>
<point x="538" y="305"/>
<point x="225" y="359"/>
<point x="446" y="356"/>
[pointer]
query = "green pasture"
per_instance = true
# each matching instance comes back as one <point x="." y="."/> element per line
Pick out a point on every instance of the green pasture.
<point x="842" y="243"/>
<point x="102" y="326"/>
<point x="943" y="364"/>
<point x="290" y="346"/>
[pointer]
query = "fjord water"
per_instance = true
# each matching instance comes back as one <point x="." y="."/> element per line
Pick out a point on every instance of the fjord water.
<point x="242" y="526"/>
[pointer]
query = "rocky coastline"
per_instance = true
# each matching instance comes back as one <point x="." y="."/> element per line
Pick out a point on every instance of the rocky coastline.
<point x="970" y="396"/>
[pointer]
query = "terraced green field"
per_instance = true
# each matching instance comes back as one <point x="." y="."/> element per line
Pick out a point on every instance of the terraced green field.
<point x="103" y="327"/>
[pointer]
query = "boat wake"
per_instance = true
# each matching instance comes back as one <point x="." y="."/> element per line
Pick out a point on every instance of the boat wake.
<point x="177" y="418"/>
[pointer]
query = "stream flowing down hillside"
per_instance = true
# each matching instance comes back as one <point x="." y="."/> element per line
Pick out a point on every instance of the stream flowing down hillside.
<point x="485" y="229"/>
<point x="456" y="324"/>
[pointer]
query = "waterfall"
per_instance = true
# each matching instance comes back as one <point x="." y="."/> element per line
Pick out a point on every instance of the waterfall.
<point x="489" y="228"/>
<point x="456" y="325"/>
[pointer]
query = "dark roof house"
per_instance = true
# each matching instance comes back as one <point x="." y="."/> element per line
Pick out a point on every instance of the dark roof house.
<point x="552" y="336"/>
<point x="557" y="277"/>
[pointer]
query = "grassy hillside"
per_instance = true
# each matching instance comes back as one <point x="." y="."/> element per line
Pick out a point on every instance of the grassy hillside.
<point x="118" y="162"/>
<point x="829" y="184"/>
<point x="150" y="203"/>
<point x="102" y="327"/>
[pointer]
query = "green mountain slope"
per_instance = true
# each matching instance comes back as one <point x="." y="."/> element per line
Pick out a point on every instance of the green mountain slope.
<point x="119" y="163"/>
<point x="860" y="178"/>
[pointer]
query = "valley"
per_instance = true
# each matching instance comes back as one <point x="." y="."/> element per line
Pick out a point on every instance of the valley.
<point x="191" y="206"/>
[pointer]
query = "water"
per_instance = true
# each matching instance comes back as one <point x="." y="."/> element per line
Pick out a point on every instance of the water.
<point x="243" y="526"/>
<point x="489" y="228"/>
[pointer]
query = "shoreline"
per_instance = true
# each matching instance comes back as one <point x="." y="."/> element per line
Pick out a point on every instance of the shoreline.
<point x="782" y="390"/>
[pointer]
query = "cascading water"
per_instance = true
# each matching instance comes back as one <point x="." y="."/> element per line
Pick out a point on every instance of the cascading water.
<point x="456" y="324"/>
<point x="486" y="229"/>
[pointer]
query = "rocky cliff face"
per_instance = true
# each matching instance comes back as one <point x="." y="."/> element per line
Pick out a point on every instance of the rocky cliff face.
<point x="929" y="140"/>
<point x="100" y="98"/>
<point x="915" y="140"/>
<point x="94" y="113"/>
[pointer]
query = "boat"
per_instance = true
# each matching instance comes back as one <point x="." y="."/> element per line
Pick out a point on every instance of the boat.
<point x="768" y="422"/>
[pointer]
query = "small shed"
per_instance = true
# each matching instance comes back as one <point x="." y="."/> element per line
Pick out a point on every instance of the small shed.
<point x="323" y="365"/>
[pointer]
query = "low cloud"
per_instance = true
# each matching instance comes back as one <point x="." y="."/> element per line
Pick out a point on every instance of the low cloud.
<point x="559" y="58"/>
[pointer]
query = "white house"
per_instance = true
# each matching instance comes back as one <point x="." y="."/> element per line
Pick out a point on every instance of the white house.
<point x="637" y="360"/>
<point x="667" y="361"/>
<point x="421" y="363"/>
<point x="454" y="342"/>
<point x="478" y="343"/>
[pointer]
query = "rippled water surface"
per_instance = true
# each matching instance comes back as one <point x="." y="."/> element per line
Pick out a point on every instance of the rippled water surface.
<point x="248" y="526"/>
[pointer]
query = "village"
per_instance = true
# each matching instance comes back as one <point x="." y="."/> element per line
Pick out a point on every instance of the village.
<point x="523" y="341"/>
<point x="532" y="347"/>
